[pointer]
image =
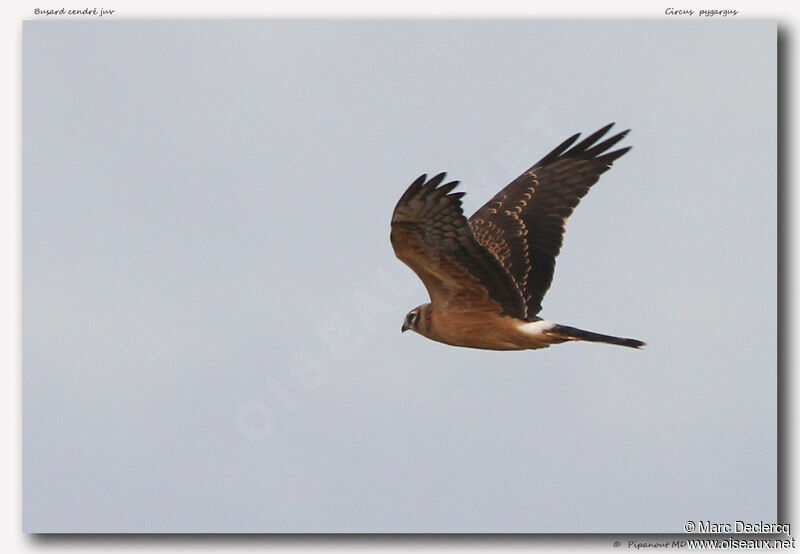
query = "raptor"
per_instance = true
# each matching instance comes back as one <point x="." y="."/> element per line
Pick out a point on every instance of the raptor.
<point x="487" y="275"/>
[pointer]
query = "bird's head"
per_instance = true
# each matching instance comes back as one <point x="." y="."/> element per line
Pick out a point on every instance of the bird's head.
<point x="414" y="318"/>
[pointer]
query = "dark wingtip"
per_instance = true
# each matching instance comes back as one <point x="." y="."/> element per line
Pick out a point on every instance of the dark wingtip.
<point x="603" y="130"/>
<point x="616" y="154"/>
<point x="588" y="147"/>
<point x="601" y="147"/>
<point x="586" y="144"/>
<point x="431" y="188"/>
<point x="414" y="187"/>
<point x="447" y="187"/>
<point x="622" y="134"/>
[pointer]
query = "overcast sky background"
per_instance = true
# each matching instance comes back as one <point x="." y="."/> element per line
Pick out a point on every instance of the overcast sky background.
<point x="212" y="308"/>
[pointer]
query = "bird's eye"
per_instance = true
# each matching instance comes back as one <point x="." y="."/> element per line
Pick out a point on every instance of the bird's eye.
<point x="412" y="317"/>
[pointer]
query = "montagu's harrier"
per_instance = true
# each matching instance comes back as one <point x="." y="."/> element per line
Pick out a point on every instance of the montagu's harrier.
<point x="487" y="275"/>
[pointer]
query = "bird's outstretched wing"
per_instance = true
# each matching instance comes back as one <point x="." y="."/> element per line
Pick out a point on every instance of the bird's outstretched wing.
<point x="524" y="224"/>
<point x="430" y="234"/>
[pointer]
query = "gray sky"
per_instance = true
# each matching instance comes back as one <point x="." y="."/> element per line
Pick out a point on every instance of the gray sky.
<point x="212" y="308"/>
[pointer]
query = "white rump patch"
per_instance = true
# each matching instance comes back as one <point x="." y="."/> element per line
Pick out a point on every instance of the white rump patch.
<point x="536" y="328"/>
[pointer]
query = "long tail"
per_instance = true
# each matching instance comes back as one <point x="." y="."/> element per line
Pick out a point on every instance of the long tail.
<point x="572" y="333"/>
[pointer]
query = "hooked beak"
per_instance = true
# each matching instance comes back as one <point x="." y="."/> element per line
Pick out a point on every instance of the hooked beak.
<point x="406" y="327"/>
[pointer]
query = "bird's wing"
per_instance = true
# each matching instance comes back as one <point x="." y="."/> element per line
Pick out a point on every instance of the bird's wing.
<point x="524" y="224"/>
<point x="430" y="234"/>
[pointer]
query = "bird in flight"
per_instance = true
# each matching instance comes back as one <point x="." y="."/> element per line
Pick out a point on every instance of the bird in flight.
<point x="486" y="275"/>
